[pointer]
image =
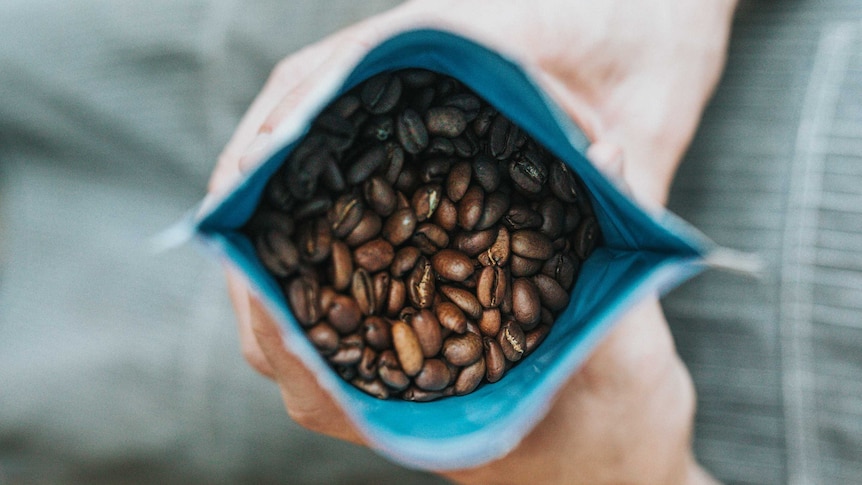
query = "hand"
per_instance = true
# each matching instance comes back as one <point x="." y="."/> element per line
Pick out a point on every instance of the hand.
<point x="635" y="77"/>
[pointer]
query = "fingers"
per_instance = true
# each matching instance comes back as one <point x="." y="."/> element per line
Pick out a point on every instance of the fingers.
<point x="306" y="401"/>
<point x="239" y="297"/>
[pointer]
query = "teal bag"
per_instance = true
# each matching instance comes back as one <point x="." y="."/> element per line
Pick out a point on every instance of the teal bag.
<point x="642" y="254"/>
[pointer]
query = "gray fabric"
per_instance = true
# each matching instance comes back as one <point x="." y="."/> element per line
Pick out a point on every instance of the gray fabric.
<point x="120" y="366"/>
<point x="776" y="168"/>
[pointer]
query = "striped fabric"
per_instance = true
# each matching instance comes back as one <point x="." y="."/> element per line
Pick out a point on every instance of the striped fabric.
<point x="776" y="168"/>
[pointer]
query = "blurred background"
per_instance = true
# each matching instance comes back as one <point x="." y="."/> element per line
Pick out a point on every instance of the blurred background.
<point x="118" y="365"/>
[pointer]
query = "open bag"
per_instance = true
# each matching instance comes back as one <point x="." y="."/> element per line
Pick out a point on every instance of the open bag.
<point x="641" y="254"/>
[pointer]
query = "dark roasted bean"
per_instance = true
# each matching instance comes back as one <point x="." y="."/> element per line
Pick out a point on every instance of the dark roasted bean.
<point x="562" y="182"/>
<point x="362" y="290"/>
<point x="407" y="348"/>
<point x="586" y="237"/>
<point x="522" y="217"/>
<point x="411" y="132"/>
<point x="459" y="180"/>
<point x="345" y="214"/>
<point x="446" y="215"/>
<point x="430" y="238"/>
<point x="551" y="293"/>
<point x="470" y="207"/>
<point x="380" y="196"/>
<point x="366" y="164"/>
<point x="375" y="331"/>
<point x="531" y="244"/>
<point x="486" y="172"/>
<point x="374" y="255"/>
<point x="425" y="201"/>
<point x="349" y="351"/>
<point x="367" y="366"/>
<point x="526" y="302"/>
<point x="452" y="265"/>
<point x="434" y="375"/>
<point x="324" y="338"/>
<point x="427" y="329"/>
<point x="374" y="387"/>
<point x="528" y="172"/>
<point x="367" y="229"/>
<point x="303" y="293"/>
<point x="495" y="361"/>
<point x="489" y="324"/>
<point x="465" y="300"/>
<point x="390" y="372"/>
<point x="462" y="349"/>
<point x="491" y="286"/>
<point x="381" y="93"/>
<point x="344" y="314"/>
<point x="341" y="266"/>
<point x="451" y="317"/>
<point x="512" y="341"/>
<point x="445" y="121"/>
<point x="496" y="204"/>
<point x="470" y="377"/>
<point x="420" y="284"/>
<point x="399" y="226"/>
<point x="404" y="261"/>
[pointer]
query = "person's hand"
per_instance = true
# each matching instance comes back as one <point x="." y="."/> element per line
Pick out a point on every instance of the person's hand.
<point x="636" y="77"/>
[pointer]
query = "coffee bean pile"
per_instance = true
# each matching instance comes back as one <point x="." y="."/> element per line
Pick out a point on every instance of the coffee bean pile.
<point x="424" y="242"/>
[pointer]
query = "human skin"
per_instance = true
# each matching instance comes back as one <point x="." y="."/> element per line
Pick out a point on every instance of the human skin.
<point x="636" y="77"/>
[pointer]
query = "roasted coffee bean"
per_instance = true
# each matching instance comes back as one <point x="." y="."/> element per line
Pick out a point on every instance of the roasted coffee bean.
<point x="404" y="261"/>
<point x="416" y="394"/>
<point x="526" y="302"/>
<point x="470" y="207"/>
<point x="502" y="137"/>
<point x="407" y="348"/>
<point x="434" y="375"/>
<point x="420" y="284"/>
<point x="440" y="146"/>
<point x="563" y="268"/>
<point x="486" y="173"/>
<point x="528" y="172"/>
<point x="470" y="377"/>
<point x="341" y="266"/>
<point x="470" y="242"/>
<point x="490" y="322"/>
<point x="427" y="329"/>
<point x="349" y="351"/>
<point x="465" y="300"/>
<point x="380" y="196"/>
<point x="425" y="201"/>
<point x="324" y="338"/>
<point x="512" y="341"/>
<point x="553" y="217"/>
<point x="473" y="243"/>
<point x="446" y="215"/>
<point x="374" y="387"/>
<point x="381" y="93"/>
<point x="531" y="244"/>
<point x="380" y="281"/>
<point x="367" y="366"/>
<point x="277" y="253"/>
<point x="399" y="226"/>
<point x="374" y="255"/>
<point x="362" y="290"/>
<point x="452" y="265"/>
<point x="411" y="132"/>
<point x="586" y="237"/>
<point x="315" y="241"/>
<point x="562" y="182"/>
<point x="303" y="294"/>
<point x="345" y="214"/>
<point x="396" y="298"/>
<point x="495" y="360"/>
<point x="394" y="162"/>
<point x="468" y="104"/>
<point x="462" y="349"/>
<point x="344" y="314"/>
<point x="535" y="337"/>
<point x="375" y="331"/>
<point x="367" y="229"/>
<point x="491" y="286"/>
<point x="366" y="164"/>
<point x="445" y="121"/>
<point x="430" y="238"/>
<point x="522" y="217"/>
<point x="390" y="372"/>
<point x="498" y="253"/>
<point x="451" y="317"/>
<point x="459" y="180"/>
<point x="551" y="293"/>
<point x="317" y="206"/>
<point x="496" y="204"/>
